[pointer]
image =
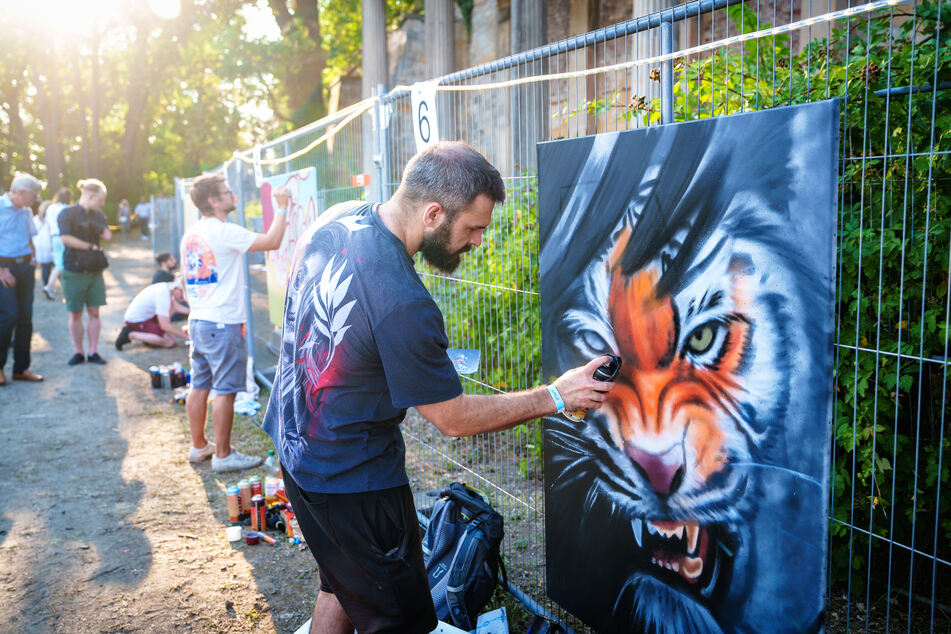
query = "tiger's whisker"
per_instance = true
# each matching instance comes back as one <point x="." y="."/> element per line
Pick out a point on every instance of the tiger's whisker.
<point x="797" y="474"/>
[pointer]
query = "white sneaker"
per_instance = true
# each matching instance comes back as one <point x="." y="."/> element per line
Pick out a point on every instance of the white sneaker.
<point x="50" y="293"/>
<point x="234" y="462"/>
<point x="197" y="455"/>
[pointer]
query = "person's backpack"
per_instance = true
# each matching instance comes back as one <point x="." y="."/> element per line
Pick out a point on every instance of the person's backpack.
<point x="461" y="551"/>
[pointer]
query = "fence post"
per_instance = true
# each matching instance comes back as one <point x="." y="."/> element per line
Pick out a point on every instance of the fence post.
<point x="378" y="185"/>
<point x="176" y="233"/>
<point x="667" y="72"/>
<point x="248" y="307"/>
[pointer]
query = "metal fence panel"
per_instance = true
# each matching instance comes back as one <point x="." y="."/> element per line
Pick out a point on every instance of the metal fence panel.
<point x="889" y="64"/>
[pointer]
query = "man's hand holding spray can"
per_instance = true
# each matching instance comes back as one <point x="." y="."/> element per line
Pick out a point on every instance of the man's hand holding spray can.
<point x="607" y="371"/>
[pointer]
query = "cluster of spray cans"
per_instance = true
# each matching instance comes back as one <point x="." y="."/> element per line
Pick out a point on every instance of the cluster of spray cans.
<point x="264" y="503"/>
<point x="167" y="377"/>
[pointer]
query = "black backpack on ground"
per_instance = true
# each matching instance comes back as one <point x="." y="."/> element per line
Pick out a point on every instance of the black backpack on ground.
<point x="461" y="551"/>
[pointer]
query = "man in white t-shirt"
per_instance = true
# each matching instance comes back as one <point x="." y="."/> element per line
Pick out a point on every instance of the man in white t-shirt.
<point x="212" y="255"/>
<point x="148" y="317"/>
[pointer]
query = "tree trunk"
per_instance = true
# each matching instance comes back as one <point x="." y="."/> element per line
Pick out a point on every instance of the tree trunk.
<point x="20" y="144"/>
<point x="303" y="85"/>
<point x="81" y="121"/>
<point x="48" y="103"/>
<point x="94" y="91"/>
<point x="131" y="149"/>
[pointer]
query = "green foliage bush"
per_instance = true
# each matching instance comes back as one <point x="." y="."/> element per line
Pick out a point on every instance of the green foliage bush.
<point x="491" y="305"/>
<point x="890" y="440"/>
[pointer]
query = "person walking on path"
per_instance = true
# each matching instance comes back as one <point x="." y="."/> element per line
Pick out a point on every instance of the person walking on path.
<point x="363" y="340"/>
<point x="125" y="217"/>
<point x="42" y="243"/>
<point x="212" y="253"/>
<point x="17" y="275"/>
<point x="62" y="200"/>
<point x="81" y="227"/>
<point x="143" y="211"/>
<point x="147" y="319"/>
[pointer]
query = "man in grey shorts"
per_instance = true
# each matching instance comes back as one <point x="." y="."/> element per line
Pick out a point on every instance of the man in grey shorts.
<point x="212" y="257"/>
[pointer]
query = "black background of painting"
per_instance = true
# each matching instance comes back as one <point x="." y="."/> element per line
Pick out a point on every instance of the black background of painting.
<point x="589" y="552"/>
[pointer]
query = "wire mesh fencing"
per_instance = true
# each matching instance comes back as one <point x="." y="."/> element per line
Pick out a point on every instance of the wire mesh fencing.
<point x="889" y="65"/>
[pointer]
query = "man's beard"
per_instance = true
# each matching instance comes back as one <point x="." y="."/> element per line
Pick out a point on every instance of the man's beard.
<point x="435" y="249"/>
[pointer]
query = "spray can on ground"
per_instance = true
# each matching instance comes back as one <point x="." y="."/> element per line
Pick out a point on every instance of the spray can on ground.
<point x="258" y="513"/>
<point x="177" y="375"/>
<point x="234" y="502"/>
<point x="156" y="377"/>
<point x="244" y="489"/>
<point x="257" y="485"/>
<point x="605" y="372"/>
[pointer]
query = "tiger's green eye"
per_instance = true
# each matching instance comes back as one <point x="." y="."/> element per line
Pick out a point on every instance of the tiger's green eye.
<point x="701" y="339"/>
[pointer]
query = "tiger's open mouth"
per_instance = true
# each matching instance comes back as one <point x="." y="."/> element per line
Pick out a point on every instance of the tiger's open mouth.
<point x="695" y="557"/>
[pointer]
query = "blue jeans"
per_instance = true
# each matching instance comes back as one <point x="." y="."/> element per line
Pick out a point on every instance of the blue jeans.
<point x="16" y="316"/>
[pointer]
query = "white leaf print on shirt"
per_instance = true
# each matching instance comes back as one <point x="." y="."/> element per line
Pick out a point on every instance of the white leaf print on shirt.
<point x="330" y="320"/>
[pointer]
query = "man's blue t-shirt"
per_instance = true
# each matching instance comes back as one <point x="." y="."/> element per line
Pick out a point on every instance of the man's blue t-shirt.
<point x="363" y="340"/>
<point x="16" y="228"/>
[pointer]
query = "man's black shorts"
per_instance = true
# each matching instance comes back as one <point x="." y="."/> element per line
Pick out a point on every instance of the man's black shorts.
<point x="369" y="554"/>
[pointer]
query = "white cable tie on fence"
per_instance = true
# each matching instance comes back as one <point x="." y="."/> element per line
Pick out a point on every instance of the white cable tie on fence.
<point x="256" y="164"/>
<point x="354" y="111"/>
<point x="703" y="48"/>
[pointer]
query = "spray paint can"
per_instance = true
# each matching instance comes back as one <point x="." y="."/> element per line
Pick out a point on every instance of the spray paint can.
<point x="605" y="372"/>
<point x="155" y="376"/>
<point x="166" y="377"/>
<point x="257" y="485"/>
<point x="234" y="502"/>
<point x="258" y="513"/>
<point x="244" y="497"/>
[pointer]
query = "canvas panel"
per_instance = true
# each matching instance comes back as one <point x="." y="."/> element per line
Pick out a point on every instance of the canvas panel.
<point x="703" y="254"/>
<point x="302" y="212"/>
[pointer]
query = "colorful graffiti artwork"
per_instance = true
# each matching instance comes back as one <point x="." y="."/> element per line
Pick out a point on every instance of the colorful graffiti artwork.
<point x="702" y="253"/>
<point x="302" y="212"/>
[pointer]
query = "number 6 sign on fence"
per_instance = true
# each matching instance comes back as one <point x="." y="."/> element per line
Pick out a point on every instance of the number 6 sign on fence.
<point x="425" y="124"/>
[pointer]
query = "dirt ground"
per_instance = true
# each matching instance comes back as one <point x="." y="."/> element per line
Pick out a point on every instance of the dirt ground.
<point x="104" y="524"/>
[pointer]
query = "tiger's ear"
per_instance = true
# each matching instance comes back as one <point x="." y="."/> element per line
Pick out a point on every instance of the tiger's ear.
<point x="617" y="252"/>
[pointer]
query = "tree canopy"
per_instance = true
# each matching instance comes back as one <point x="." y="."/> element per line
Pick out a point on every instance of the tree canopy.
<point x="136" y="93"/>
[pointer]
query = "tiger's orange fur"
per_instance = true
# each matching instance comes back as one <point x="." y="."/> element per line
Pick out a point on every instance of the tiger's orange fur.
<point x="662" y="398"/>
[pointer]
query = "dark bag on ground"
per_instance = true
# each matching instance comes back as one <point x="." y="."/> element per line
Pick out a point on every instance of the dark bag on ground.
<point x="85" y="261"/>
<point x="461" y="551"/>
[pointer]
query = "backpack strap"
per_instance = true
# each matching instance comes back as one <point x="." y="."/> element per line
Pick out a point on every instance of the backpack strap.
<point x="502" y="571"/>
<point x="460" y="571"/>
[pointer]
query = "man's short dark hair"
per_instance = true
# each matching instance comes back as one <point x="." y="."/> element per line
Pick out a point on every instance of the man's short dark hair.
<point x="451" y="174"/>
<point x="205" y="187"/>
<point x="163" y="257"/>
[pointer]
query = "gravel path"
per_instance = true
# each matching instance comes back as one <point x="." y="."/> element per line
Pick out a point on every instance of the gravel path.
<point x="104" y="524"/>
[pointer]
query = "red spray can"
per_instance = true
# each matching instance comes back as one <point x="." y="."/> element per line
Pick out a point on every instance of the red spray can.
<point x="258" y="513"/>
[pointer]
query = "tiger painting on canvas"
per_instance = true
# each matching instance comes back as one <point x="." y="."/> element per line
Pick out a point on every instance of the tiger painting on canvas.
<point x="702" y="254"/>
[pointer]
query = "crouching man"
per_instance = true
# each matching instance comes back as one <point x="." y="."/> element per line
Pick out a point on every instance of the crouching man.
<point x="148" y="317"/>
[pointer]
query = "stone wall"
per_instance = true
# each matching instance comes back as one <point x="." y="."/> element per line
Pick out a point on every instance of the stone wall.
<point x="406" y="52"/>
